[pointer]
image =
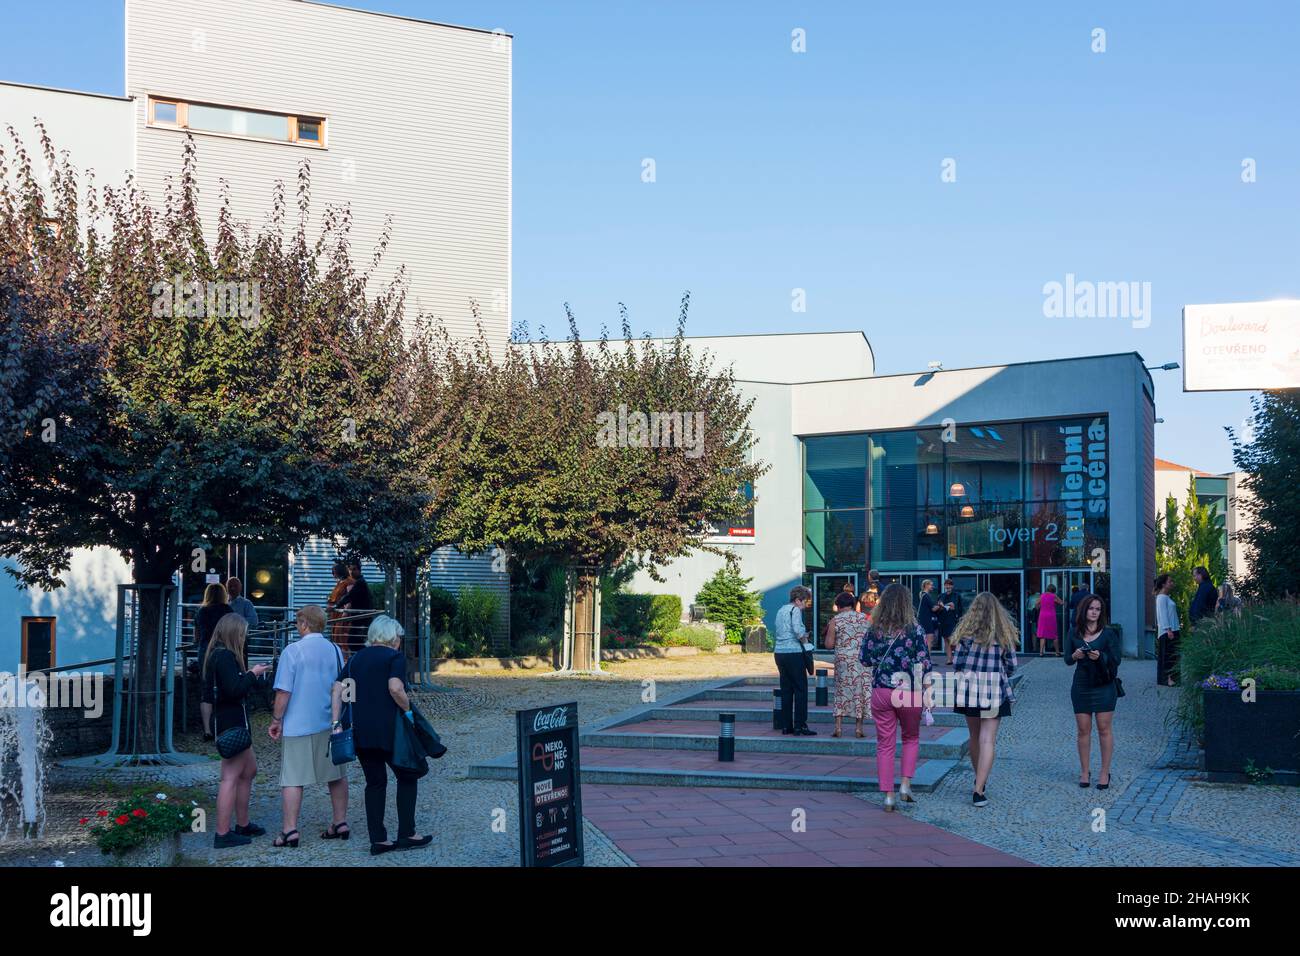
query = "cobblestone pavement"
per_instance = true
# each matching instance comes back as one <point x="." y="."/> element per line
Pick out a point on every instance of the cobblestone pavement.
<point x="475" y="716"/>
<point x="1157" y="812"/>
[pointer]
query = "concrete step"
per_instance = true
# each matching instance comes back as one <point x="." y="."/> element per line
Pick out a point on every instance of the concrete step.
<point x="694" y="768"/>
<point x="940" y="742"/>
<point x="708" y="708"/>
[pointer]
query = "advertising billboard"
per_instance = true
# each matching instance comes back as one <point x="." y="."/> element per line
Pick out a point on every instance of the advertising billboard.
<point x="1241" y="345"/>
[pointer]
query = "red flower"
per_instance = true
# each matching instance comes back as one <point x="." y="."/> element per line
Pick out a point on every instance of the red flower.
<point x="101" y="813"/>
<point x="84" y="820"/>
<point x="139" y="814"/>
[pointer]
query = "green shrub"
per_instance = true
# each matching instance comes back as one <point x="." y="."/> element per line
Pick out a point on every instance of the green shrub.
<point x="665" y="613"/>
<point x="1262" y="642"/>
<point x="628" y="614"/>
<point x="537" y="645"/>
<point x="442" y="609"/>
<point x="727" y="599"/>
<point x="691" y="635"/>
<point x="471" y="628"/>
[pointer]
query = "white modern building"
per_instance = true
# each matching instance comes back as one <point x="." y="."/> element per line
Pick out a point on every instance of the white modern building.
<point x="1008" y="478"/>
<point x="406" y="122"/>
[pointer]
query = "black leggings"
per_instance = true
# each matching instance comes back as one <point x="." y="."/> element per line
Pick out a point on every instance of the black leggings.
<point x="794" y="690"/>
<point x="375" y="764"/>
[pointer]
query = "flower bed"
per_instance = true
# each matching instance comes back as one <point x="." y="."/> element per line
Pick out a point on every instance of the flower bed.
<point x="144" y="824"/>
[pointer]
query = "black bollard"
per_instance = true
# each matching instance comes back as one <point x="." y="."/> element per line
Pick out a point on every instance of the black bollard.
<point x="727" y="737"/>
<point x="822" y="692"/>
<point x="776" y="709"/>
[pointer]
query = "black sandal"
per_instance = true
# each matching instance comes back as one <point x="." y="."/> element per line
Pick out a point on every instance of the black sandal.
<point x="334" y="833"/>
<point x="284" y="839"/>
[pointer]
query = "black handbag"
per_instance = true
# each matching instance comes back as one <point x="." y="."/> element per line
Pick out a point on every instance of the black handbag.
<point x="809" y="663"/>
<point x="233" y="742"/>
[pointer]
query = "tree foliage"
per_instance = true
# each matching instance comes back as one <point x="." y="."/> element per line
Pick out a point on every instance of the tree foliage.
<point x="1271" y="505"/>
<point x="1188" y="541"/>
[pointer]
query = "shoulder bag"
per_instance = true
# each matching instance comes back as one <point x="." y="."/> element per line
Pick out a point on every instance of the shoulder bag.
<point x="809" y="663"/>
<point x="235" y="740"/>
<point x="341" y="746"/>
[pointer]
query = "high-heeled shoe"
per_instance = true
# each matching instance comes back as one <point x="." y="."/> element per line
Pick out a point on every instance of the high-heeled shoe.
<point x="890" y="802"/>
<point x="289" y="839"/>
<point x="1085" y="784"/>
<point x="1104" y="786"/>
<point x="905" y="793"/>
<point x="334" y="833"/>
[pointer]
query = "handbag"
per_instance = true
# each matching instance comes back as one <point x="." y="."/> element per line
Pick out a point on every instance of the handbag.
<point x="810" y="665"/>
<point x="341" y="746"/>
<point x="233" y="742"/>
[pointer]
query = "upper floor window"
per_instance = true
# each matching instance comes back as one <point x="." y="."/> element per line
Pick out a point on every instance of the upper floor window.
<point x="230" y="121"/>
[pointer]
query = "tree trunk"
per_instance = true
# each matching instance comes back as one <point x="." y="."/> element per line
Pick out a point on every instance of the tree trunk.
<point x="582" y="620"/>
<point x="146" y="678"/>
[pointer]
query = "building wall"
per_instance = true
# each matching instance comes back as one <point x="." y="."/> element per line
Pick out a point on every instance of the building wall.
<point x="1174" y="482"/>
<point x="1117" y="386"/>
<point x="417" y="131"/>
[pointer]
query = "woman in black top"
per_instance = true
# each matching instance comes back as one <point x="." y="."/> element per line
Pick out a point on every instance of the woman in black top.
<point x="380" y="699"/>
<point x="1094" y="651"/>
<point x="215" y="607"/>
<point x="227" y="682"/>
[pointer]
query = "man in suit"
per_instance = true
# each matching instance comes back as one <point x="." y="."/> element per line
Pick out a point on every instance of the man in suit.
<point x="925" y="615"/>
<point x="1206" y="598"/>
<point x="949" y="610"/>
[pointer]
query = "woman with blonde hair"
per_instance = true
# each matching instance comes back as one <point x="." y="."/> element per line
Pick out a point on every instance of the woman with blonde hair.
<point x="227" y="680"/>
<point x="895" y="650"/>
<point x="216" y="605"/>
<point x="983" y="648"/>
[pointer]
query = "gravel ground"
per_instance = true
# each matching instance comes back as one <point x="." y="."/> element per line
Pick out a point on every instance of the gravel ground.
<point x="1038" y="812"/>
<point x="474" y="714"/>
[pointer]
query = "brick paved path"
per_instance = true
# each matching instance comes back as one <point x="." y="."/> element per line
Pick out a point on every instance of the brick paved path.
<point x="684" y="826"/>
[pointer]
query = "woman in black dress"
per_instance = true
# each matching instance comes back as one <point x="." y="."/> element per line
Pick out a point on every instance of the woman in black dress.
<point x="1094" y="652"/>
<point x="227" y="682"/>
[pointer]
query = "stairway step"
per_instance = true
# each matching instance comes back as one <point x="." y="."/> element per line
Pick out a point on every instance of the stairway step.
<point x="708" y="708"/>
<point x="937" y="742"/>
<point x="700" y="769"/>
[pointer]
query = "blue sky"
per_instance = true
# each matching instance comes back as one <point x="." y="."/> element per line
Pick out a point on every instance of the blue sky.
<point x="821" y="170"/>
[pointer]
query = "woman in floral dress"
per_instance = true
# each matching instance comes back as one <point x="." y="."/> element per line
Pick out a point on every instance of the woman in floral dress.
<point x="844" y="633"/>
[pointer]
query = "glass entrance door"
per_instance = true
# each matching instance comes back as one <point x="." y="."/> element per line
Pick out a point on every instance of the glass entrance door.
<point x="1065" y="580"/>
<point x="825" y="588"/>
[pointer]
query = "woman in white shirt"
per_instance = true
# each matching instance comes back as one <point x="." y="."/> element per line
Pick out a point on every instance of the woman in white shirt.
<point x="1167" y="629"/>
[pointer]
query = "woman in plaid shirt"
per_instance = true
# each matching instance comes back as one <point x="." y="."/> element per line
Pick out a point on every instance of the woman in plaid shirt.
<point x="984" y="658"/>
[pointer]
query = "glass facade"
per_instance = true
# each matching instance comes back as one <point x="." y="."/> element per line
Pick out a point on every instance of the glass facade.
<point x="1000" y="502"/>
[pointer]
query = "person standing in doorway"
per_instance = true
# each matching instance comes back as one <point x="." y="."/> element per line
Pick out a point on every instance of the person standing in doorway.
<point x="844" y="634"/>
<point x="240" y="604"/>
<point x="925" y="615"/>
<point x="1167" y="629"/>
<point x="788" y="651"/>
<point x="301" y="721"/>
<point x="1094" y="652"/>
<point x="984" y="654"/>
<point x="1077" y="594"/>
<point x="1206" y="599"/>
<point x="1048" y="633"/>
<point x="949" y="612"/>
<point x="871" y="593"/>
<point x="897" y="651"/>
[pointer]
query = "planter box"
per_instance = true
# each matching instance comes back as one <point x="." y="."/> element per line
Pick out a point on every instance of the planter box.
<point x="1266" y="732"/>
<point x="165" y="852"/>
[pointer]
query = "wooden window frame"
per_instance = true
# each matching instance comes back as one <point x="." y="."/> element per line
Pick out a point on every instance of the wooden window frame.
<point x="40" y="619"/>
<point x="183" y="122"/>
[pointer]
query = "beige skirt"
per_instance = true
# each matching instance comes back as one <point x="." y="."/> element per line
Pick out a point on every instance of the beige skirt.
<point x="306" y="760"/>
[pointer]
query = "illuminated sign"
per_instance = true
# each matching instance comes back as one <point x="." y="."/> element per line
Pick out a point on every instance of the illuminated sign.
<point x="1241" y="345"/>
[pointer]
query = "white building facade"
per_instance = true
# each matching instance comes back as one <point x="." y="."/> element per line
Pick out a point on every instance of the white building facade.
<point x="1009" y="479"/>
<point x="405" y="122"/>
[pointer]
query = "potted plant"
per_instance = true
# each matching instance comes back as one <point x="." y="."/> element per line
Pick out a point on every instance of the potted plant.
<point x="143" y="830"/>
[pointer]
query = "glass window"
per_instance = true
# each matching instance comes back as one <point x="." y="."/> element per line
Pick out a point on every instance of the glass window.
<point x="309" y="130"/>
<point x="221" y="119"/>
<point x="835" y="540"/>
<point x="1063" y="535"/>
<point x="1068" y="457"/>
<point x="984" y="464"/>
<point x="907" y="538"/>
<point x="164" y="112"/>
<point x="907" y="469"/>
<point x="987" y="535"/>
<point x="835" y="472"/>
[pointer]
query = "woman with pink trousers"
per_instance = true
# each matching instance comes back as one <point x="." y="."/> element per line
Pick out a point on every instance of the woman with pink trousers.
<point x="895" y="650"/>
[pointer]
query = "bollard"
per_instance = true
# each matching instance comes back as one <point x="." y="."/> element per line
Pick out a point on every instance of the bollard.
<point x="727" y="737"/>
<point x="776" y="709"/>
<point x="822" y="692"/>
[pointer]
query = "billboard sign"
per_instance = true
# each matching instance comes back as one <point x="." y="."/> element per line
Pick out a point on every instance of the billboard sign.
<point x="1241" y="345"/>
